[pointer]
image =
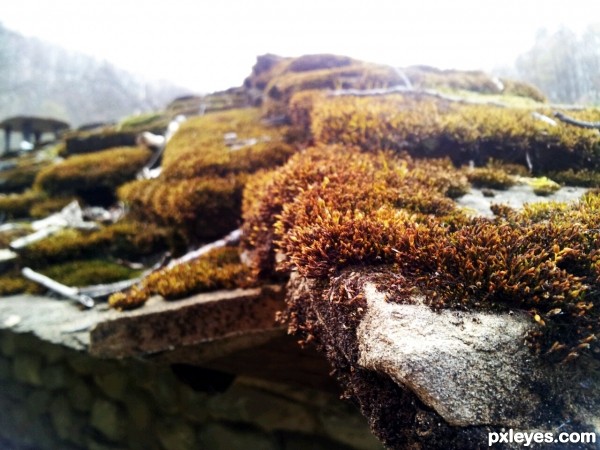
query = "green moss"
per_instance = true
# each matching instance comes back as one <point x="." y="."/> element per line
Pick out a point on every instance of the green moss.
<point x="489" y="177"/>
<point x="430" y="128"/>
<point x="153" y="121"/>
<point x="89" y="272"/>
<point x="18" y="205"/>
<point x="94" y="176"/>
<point x="14" y="283"/>
<point x="199" y="191"/>
<point x="19" y="178"/>
<point x="585" y="178"/>
<point x="544" y="186"/>
<point x="127" y="239"/>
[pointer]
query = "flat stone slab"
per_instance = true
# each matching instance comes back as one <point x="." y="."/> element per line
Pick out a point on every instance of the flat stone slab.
<point x="157" y="327"/>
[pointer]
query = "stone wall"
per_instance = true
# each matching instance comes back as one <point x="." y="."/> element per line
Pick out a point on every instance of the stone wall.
<point x="52" y="397"/>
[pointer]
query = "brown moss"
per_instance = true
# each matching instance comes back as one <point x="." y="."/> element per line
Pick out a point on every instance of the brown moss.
<point x="16" y="206"/>
<point x="219" y="269"/>
<point x="319" y="214"/>
<point x="462" y="132"/>
<point x="95" y="174"/>
<point x="199" y="191"/>
<point x="489" y="177"/>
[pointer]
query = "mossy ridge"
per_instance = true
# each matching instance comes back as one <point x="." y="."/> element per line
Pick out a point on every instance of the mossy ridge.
<point x="17" y="206"/>
<point x="318" y="214"/>
<point x="218" y="269"/>
<point x="126" y="239"/>
<point x="322" y="179"/>
<point x="430" y="128"/>
<point x="199" y="192"/>
<point x="89" y="272"/>
<point x="93" y="176"/>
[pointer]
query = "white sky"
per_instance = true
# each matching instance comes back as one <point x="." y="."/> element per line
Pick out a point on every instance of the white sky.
<point x="208" y="46"/>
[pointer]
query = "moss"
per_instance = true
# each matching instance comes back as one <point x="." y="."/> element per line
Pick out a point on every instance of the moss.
<point x="489" y="177"/>
<point x="14" y="283"/>
<point x="94" y="176"/>
<point x="46" y="206"/>
<point x="19" y="178"/>
<point x="127" y="239"/>
<point x="78" y="142"/>
<point x="199" y="208"/>
<point x="544" y="186"/>
<point x="317" y="214"/>
<point x="584" y="177"/>
<point x="314" y="184"/>
<point x="219" y="269"/>
<point x="18" y="205"/>
<point x="464" y="133"/>
<point x="89" y="272"/>
<point x="153" y="121"/>
<point x="199" y="191"/>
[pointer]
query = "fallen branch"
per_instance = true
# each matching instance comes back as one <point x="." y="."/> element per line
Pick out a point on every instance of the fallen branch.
<point x="575" y="122"/>
<point x="59" y="288"/>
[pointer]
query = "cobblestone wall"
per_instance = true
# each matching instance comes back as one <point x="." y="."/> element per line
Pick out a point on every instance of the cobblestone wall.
<point x="55" y="398"/>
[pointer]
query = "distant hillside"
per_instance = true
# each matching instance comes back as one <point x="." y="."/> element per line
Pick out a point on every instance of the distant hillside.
<point x="37" y="78"/>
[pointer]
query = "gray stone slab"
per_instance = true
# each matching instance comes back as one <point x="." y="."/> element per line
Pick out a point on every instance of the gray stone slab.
<point x="158" y="326"/>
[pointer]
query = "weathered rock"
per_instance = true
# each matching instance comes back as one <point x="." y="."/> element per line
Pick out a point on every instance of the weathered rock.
<point x="108" y="418"/>
<point x="56" y="377"/>
<point x="265" y="410"/>
<point x="80" y="395"/>
<point x="138" y="408"/>
<point x="438" y="380"/>
<point x="27" y="368"/>
<point x="177" y="435"/>
<point x="468" y="366"/>
<point x="62" y="417"/>
<point x="113" y="384"/>
<point x="221" y="436"/>
<point x="37" y="402"/>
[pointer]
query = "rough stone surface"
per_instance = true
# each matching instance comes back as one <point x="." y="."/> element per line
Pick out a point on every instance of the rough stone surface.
<point x="27" y="368"/>
<point x="107" y="418"/>
<point x="471" y="368"/>
<point x="176" y="435"/>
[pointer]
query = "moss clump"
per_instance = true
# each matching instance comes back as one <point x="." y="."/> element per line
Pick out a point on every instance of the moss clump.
<point x="584" y="177"/>
<point x="200" y="189"/>
<point x="219" y="269"/>
<point x="46" y="206"/>
<point x="429" y="128"/>
<point x="490" y="177"/>
<point x="89" y="272"/>
<point x="317" y="214"/>
<point x="199" y="208"/>
<point x="20" y="178"/>
<point x="325" y="186"/>
<point x="93" y="176"/>
<point x="126" y="239"/>
<point x="544" y="186"/>
<point x="154" y="122"/>
<point x="14" y="283"/>
<point x="16" y="206"/>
